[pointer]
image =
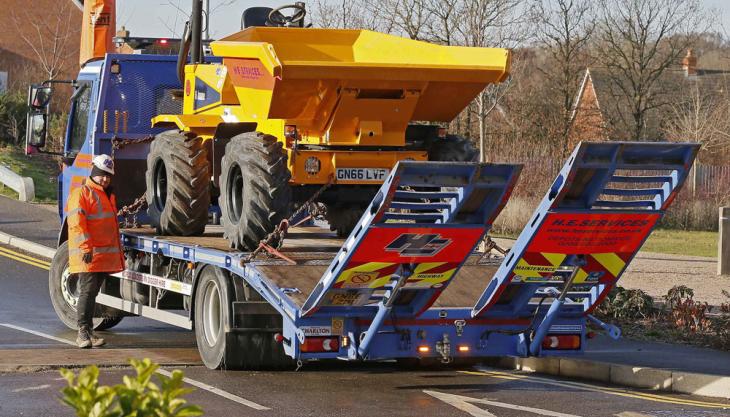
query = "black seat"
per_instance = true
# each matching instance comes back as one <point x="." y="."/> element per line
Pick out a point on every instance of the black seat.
<point x="255" y="16"/>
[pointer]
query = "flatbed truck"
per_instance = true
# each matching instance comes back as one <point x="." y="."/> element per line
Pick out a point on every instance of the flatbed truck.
<point x="405" y="284"/>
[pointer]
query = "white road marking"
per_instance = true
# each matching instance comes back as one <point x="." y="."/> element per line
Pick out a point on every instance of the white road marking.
<point x="218" y="391"/>
<point x="192" y="382"/>
<point x="458" y="402"/>
<point x="466" y="404"/>
<point x="39" y="387"/>
<point x="622" y="392"/>
<point x="41" y="334"/>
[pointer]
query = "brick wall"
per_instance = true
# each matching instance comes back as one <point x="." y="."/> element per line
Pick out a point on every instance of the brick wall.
<point x="21" y="17"/>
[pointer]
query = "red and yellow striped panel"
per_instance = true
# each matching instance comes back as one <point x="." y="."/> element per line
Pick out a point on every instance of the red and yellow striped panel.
<point x="536" y="267"/>
<point x="377" y="274"/>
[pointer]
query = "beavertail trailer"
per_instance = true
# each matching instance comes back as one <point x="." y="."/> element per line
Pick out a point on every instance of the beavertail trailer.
<point x="406" y="283"/>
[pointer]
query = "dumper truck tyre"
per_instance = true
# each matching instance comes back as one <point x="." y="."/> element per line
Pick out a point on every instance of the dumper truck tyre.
<point x="178" y="184"/>
<point x="343" y="219"/>
<point x="453" y="148"/>
<point x="255" y="192"/>
<point x="64" y="292"/>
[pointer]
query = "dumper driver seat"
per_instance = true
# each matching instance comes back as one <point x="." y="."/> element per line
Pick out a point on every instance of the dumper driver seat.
<point x="291" y="15"/>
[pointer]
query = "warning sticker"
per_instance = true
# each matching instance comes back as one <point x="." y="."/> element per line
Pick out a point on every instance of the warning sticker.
<point x="338" y="326"/>
<point x="347" y="297"/>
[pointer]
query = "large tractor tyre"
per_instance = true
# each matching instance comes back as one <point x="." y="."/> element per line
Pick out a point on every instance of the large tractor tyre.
<point x="255" y="192"/>
<point x="178" y="184"/>
<point x="343" y="220"/>
<point x="453" y="148"/>
<point x="219" y="345"/>
<point x="64" y="291"/>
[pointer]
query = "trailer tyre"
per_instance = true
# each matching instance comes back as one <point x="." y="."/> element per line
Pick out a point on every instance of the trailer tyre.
<point x="178" y="183"/>
<point x="453" y="148"/>
<point x="63" y="290"/>
<point x="255" y="191"/>
<point x="213" y="297"/>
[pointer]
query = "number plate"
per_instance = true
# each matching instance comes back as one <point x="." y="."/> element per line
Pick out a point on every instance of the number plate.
<point x="362" y="174"/>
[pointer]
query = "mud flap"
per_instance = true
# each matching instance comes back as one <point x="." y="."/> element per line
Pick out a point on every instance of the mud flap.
<point x="255" y="349"/>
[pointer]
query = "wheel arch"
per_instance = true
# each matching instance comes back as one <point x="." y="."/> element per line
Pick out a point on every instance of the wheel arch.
<point x="235" y="286"/>
<point x="63" y="233"/>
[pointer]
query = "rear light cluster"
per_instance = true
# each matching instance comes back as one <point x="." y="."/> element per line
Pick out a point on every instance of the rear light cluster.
<point x="320" y="344"/>
<point x="561" y="342"/>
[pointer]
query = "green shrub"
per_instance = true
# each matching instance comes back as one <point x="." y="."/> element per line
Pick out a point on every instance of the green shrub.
<point x="626" y="304"/>
<point x="13" y="110"/>
<point x="135" y="397"/>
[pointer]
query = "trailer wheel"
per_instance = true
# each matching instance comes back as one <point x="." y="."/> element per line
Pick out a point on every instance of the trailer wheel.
<point x="64" y="293"/>
<point x="213" y="296"/>
<point x="255" y="192"/>
<point x="453" y="148"/>
<point x="178" y="183"/>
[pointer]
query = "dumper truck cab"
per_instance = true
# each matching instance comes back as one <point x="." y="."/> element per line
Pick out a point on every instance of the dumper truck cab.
<point x="286" y="110"/>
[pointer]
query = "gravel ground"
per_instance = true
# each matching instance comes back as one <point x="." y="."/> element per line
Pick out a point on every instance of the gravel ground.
<point x="656" y="273"/>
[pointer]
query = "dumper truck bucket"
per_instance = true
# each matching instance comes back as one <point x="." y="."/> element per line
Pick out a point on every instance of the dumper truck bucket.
<point x="603" y="205"/>
<point x="422" y="225"/>
<point x="301" y="74"/>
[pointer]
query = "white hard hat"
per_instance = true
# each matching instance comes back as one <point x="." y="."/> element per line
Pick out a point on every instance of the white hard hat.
<point x="104" y="162"/>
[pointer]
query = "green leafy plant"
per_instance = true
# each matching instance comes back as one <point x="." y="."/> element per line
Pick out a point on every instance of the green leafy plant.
<point x="137" y="396"/>
<point x="12" y="117"/>
<point x="626" y="304"/>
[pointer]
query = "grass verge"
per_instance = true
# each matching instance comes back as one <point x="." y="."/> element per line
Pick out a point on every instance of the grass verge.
<point x="41" y="168"/>
<point x="682" y="242"/>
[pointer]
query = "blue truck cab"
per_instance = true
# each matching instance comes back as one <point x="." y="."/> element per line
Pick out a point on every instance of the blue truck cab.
<point x="114" y="100"/>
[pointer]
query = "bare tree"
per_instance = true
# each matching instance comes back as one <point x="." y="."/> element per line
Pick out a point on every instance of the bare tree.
<point x="490" y="23"/>
<point x="444" y="18"/>
<point x="703" y="118"/>
<point x="49" y="37"/>
<point x="343" y="14"/>
<point x="638" y="41"/>
<point x="564" y="29"/>
<point x="403" y="17"/>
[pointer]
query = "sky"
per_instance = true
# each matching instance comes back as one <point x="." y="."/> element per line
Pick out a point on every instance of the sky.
<point x="165" y="18"/>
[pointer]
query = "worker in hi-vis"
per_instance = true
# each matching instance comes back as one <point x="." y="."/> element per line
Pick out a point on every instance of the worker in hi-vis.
<point x="94" y="243"/>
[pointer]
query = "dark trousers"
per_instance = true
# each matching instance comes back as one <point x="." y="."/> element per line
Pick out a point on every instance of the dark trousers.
<point x="89" y="285"/>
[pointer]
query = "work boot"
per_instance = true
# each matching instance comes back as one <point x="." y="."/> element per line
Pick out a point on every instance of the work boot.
<point x="83" y="340"/>
<point x="97" y="341"/>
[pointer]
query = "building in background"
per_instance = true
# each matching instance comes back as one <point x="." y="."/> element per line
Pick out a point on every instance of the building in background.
<point x="39" y="41"/>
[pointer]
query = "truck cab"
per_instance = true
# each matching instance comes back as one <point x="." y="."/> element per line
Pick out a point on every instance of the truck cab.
<point x="111" y="106"/>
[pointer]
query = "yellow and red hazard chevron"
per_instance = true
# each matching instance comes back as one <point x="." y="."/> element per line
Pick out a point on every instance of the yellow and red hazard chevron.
<point x="535" y="267"/>
<point x="377" y="274"/>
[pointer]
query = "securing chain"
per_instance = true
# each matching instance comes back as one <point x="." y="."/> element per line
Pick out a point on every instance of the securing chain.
<point x="274" y="240"/>
<point x="140" y="202"/>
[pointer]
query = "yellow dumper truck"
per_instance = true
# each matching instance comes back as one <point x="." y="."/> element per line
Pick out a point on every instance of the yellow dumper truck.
<point x="279" y="110"/>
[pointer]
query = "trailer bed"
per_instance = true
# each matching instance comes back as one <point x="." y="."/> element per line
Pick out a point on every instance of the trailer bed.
<point x="314" y="247"/>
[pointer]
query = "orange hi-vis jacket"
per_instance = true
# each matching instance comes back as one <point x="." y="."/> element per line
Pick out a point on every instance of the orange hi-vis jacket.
<point x="93" y="227"/>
